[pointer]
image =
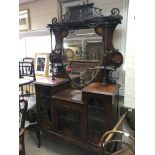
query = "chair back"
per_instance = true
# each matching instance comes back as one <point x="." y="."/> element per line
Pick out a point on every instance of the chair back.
<point x="27" y="72"/>
<point x="28" y="59"/>
<point x="117" y="142"/>
<point x="23" y="105"/>
<point x="26" y="69"/>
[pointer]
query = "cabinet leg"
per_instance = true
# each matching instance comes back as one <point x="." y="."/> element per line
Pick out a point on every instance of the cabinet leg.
<point x="38" y="137"/>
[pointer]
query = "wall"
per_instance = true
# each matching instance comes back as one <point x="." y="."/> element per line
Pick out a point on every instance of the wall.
<point x="130" y="60"/>
<point x="41" y="12"/>
<point x="37" y="40"/>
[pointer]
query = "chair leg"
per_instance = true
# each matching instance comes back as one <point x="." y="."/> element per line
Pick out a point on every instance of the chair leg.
<point x="22" y="143"/>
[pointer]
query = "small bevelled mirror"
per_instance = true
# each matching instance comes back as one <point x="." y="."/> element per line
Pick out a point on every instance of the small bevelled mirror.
<point x="83" y="53"/>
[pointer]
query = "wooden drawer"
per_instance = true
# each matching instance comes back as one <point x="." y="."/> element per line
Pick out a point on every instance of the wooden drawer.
<point x="67" y="105"/>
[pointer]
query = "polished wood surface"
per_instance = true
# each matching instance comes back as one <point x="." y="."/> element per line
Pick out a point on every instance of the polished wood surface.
<point x="99" y="88"/>
<point x="49" y="82"/>
<point x="69" y="95"/>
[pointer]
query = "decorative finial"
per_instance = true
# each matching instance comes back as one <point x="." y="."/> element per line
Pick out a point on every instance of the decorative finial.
<point x="115" y="11"/>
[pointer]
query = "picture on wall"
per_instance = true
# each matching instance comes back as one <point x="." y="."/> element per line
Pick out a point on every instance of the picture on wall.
<point x="63" y="6"/>
<point x="41" y="64"/>
<point x="24" y="20"/>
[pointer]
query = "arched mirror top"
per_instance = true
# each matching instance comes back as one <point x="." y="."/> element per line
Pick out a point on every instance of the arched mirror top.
<point x="82" y="29"/>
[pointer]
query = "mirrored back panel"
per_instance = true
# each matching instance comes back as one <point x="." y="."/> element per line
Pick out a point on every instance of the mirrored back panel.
<point x="83" y="52"/>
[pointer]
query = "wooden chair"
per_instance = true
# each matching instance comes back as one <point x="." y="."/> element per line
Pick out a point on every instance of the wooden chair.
<point x="27" y="92"/>
<point x="26" y="70"/>
<point x="23" y="104"/>
<point x="28" y="59"/>
<point x="112" y="142"/>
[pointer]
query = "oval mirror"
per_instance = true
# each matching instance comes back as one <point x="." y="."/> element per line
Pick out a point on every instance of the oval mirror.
<point x="83" y="53"/>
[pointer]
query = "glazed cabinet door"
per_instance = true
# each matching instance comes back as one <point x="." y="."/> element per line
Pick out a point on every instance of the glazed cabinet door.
<point x="101" y="115"/>
<point x="44" y="107"/>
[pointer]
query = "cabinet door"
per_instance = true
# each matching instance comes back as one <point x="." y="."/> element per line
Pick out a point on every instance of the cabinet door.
<point x="68" y="122"/>
<point x="101" y="114"/>
<point x="96" y="118"/>
<point x="44" y="107"/>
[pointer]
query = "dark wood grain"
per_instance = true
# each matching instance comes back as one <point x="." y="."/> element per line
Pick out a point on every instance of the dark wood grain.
<point x="99" y="88"/>
<point x="69" y="95"/>
<point x="45" y="89"/>
<point x="50" y="82"/>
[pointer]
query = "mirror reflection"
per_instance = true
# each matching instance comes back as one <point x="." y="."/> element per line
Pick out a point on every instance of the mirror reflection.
<point x="83" y="52"/>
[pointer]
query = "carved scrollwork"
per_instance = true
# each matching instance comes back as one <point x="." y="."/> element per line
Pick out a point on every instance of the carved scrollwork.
<point x="54" y="20"/>
<point x="80" y="13"/>
<point x="64" y="33"/>
<point x="99" y="30"/>
<point x="115" y="11"/>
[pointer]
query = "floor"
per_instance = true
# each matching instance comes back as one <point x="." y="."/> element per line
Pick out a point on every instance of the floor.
<point x="51" y="146"/>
